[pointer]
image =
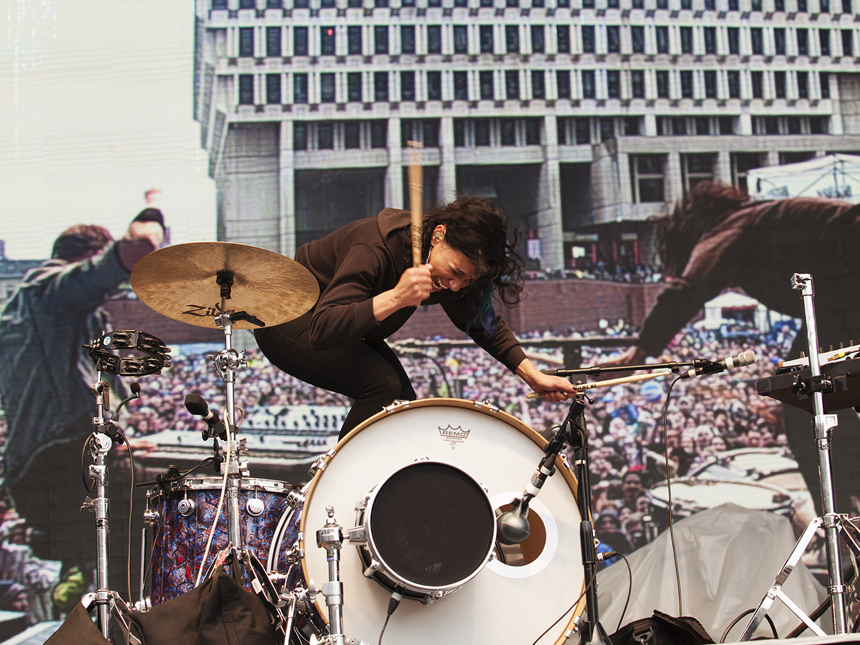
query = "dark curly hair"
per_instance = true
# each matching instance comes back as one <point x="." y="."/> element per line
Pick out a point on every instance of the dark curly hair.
<point x="478" y="228"/>
<point x="80" y="241"/>
<point x="707" y="205"/>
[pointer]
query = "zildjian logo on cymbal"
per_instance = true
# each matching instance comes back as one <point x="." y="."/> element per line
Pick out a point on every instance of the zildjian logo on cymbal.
<point x="202" y="311"/>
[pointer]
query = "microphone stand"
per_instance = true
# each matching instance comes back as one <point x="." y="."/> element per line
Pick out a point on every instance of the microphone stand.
<point x="574" y="433"/>
<point x="513" y="525"/>
<point x="833" y="524"/>
<point x="597" y="370"/>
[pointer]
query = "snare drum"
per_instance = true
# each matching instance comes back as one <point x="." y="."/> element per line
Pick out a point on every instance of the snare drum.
<point x="182" y="521"/>
<point x="424" y="480"/>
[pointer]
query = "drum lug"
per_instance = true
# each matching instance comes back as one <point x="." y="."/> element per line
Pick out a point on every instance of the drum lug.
<point x="429" y="599"/>
<point x="144" y="604"/>
<point x="295" y="499"/>
<point x="295" y="554"/>
<point x="374" y="566"/>
<point x="486" y="403"/>
<point x="320" y="464"/>
<point x="150" y="517"/>
<point x="396" y="405"/>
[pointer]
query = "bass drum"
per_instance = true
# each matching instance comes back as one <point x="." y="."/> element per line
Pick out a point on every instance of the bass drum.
<point x="425" y="461"/>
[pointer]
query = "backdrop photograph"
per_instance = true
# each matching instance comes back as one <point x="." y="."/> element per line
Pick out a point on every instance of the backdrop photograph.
<point x="227" y="228"/>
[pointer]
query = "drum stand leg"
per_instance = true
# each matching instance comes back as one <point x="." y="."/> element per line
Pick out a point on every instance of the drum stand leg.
<point x="831" y="522"/>
<point x="330" y="538"/>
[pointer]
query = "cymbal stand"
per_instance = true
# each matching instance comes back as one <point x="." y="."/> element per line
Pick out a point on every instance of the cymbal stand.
<point x="226" y="363"/>
<point x="832" y="523"/>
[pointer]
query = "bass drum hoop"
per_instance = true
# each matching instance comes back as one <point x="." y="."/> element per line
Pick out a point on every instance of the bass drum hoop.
<point x="307" y="539"/>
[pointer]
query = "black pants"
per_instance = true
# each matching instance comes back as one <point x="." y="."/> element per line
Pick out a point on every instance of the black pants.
<point x="368" y="372"/>
<point x="49" y="496"/>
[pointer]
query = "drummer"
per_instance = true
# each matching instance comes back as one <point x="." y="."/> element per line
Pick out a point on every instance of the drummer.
<point x="369" y="289"/>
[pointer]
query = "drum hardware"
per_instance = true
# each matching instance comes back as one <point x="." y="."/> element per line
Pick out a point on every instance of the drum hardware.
<point x="813" y="389"/>
<point x="186" y="507"/>
<point x="359" y="466"/>
<point x="850" y="532"/>
<point x="321" y="462"/>
<point x="151" y="518"/>
<point x="194" y="283"/>
<point x="330" y="538"/>
<point x="489" y="405"/>
<point x="118" y="607"/>
<point x="514" y="527"/>
<point x="397" y="404"/>
<point x="105" y="436"/>
<point x="255" y="507"/>
<point x="187" y="282"/>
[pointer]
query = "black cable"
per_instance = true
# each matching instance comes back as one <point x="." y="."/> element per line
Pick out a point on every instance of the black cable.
<point x="155" y="536"/>
<point x="130" y="513"/>
<point x="747" y="613"/>
<point x="569" y="609"/>
<point x="88" y="485"/>
<point x="819" y="611"/>
<point x="167" y="479"/>
<point x="393" y="604"/>
<point x="669" y="492"/>
<point x="629" y="589"/>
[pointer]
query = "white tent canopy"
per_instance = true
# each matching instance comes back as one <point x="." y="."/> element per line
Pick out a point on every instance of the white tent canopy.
<point x="834" y="176"/>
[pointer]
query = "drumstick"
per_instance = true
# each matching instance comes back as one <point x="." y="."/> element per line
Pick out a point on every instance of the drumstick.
<point x="615" y="381"/>
<point x="416" y="193"/>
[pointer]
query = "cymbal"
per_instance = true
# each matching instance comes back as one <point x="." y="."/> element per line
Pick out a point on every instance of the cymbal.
<point x="180" y="282"/>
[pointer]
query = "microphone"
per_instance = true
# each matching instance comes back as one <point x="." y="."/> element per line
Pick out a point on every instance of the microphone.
<point x="701" y="367"/>
<point x="197" y="406"/>
<point x="513" y="526"/>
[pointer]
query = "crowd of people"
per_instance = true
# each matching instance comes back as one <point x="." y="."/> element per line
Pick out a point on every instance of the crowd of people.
<point x="583" y="269"/>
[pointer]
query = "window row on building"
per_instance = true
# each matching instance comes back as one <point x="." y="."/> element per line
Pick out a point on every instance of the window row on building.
<point x="587" y="131"/>
<point x="528" y="131"/>
<point x="648" y="171"/>
<point x="500" y="39"/>
<point x="746" y="6"/>
<point x="523" y="85"/>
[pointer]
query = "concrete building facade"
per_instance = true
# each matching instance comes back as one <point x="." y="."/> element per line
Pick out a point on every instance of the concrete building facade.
<point x="583" y="118"/>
